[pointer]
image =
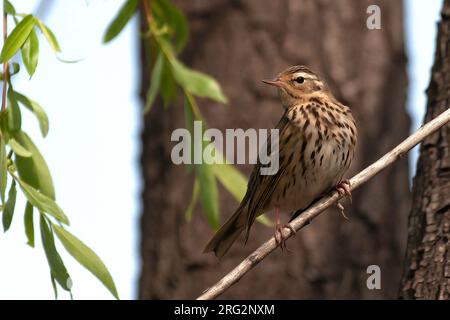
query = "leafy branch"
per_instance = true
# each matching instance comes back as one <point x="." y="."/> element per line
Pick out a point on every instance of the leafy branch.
<point x="165" y="38"/>
<point x="21" y="160"/>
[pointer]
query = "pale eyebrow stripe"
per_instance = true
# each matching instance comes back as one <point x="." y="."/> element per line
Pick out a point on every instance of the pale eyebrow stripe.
<point x="304" y="75"/>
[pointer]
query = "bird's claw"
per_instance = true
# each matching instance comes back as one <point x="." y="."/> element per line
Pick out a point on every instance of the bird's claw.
<point x="343" y="188"/>
<point x="341" y="210"/>
<point x="279" y="239"/>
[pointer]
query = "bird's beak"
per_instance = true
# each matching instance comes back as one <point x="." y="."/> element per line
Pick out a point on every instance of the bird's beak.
<point x="274" y="82"/>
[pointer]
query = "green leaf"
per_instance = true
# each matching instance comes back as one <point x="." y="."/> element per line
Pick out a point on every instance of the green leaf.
<point x="14" y="114"/>
<point x="8" y="7"/>
<point x="55" y="288"/>
<point x="34" y="170"/>
<point x="86" y="257"/>
<point x="34" y="107"/>
<point x="189" y="118"/>
<point x="48" y="34"/>
<point x="42" y="202"/>
<point x="30" y="52"/>
<point x="232" y="179"/>
<point x="69" y="61"/>
<point x="154" y="82"/>
<point x="263" y="219"/>
<point x="8" y="211"/>
<point x="58" y="270"/>
<point x="166" y="12"/>
<point x="209" y="194"/>
<point x="197" y="83"/>
<point x="236" y="184"/>
<point x="14" y="68"/>
<point x="3" y="169"/>
<point x="17" y="37"/>
<point x="18" y="148"/>
<point x="168" y="86"/>
<point x="120" y="21"/>
<point x="29" y="225"/>
<point x="193" y="202"/>
<point x="189" y="123"/>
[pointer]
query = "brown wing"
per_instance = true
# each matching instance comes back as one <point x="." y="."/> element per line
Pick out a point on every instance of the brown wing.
<point x="261" y="187"/>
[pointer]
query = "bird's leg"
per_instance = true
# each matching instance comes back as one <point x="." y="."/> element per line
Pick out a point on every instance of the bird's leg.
<point x="280" y="240"/>
<point x="343" y="188"/>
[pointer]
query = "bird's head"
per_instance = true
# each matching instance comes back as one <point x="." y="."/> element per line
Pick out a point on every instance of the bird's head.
<point x="297" y="82"/>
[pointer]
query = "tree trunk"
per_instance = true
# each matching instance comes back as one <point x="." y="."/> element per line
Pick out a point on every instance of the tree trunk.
<point x="427" y="263"/>
<point x="240" y="43"/>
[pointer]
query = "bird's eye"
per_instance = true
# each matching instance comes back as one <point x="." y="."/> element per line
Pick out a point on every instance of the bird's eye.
<point x="299" y="79"/>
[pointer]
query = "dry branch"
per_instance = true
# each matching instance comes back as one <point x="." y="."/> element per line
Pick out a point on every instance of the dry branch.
<point x="259" y="254"/>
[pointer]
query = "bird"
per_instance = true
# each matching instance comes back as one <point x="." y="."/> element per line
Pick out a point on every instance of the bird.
<point x="316" y="144"/>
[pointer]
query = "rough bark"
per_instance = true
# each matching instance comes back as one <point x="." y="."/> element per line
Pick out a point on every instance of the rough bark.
<point x="240" y="43"/>
<point x="427" y="263"/>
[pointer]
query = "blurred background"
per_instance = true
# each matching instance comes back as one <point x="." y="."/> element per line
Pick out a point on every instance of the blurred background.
<point x="97" y="171"/>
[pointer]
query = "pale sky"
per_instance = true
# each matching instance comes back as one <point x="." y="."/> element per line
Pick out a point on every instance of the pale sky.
<point x="421" y="19"/>
<point x="93" y="145"/>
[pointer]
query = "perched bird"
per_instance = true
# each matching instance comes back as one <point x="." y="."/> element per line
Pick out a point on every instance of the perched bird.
<point x="317" y="138"/>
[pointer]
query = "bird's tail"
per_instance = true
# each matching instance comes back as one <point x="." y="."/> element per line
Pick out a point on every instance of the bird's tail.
<point x="224" y="238"/>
